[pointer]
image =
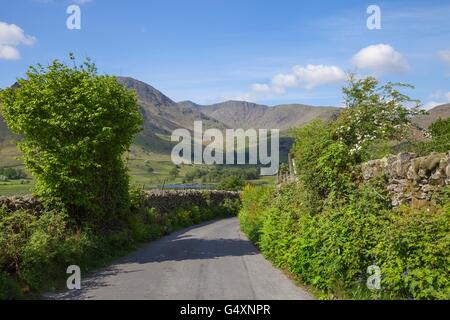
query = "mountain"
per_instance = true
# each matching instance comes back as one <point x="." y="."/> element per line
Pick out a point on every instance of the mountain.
<point x="442" y="111"/>
<point x="161" y="114"/>
<point x="241" y="114"/>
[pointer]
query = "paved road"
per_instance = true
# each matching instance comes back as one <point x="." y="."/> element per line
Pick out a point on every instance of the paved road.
<point x="208" y="261"/>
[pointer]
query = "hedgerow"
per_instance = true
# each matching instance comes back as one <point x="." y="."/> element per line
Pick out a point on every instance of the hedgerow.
<point x="332" y="250"/>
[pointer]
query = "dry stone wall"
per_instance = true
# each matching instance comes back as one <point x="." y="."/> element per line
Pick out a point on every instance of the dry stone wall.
<point x="410" y="178"/>
<point x="20" y="203"/>
<point x="164" y="201"/>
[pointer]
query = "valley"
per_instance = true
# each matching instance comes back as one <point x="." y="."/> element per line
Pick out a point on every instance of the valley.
<point x="149" y="160"/>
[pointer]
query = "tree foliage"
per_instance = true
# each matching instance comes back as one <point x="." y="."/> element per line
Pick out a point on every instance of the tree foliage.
<point x="327" y="155"/>
<point x="76" y="126"/>
<point x="440" y="135"/>
<point x="374" y="112"/>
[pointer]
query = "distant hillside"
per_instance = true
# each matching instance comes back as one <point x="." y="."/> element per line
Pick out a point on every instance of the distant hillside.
<point x="442" y="111"/>
<point x="6" y="136"/>
<point x="8" y="150"/>
<point x="241" y="114"/>
<point x="162" y="115"/>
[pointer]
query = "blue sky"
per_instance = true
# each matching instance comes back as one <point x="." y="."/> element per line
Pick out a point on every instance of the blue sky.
<point x="273" y="52"/>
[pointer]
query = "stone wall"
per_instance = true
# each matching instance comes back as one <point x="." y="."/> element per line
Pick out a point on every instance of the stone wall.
<point x="410" y="178"/>
<point x="20" y="203"/>
<point x="164" y="201"/>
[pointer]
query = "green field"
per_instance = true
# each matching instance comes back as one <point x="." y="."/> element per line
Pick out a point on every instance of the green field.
<point x="15" y="188"/>
<point x="139" y="173"/>
<point x="149" y="166"/>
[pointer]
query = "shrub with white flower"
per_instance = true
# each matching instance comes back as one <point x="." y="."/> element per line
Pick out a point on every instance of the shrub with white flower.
<point x="374" y="112"/>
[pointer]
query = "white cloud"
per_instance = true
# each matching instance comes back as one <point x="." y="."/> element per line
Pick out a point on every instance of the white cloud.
<point x="260" y="87"/>
<point x="306" y="77"/>
<point x="440" y="95"/>
<point x="282" y="81"/>
<point x="437" y="98"/>
<point x="9" y="53"/>
<point x="317" y="75"/>
<point x="249" y="97"/>
<point x="445" y="55"/>
<point x="430" y="105"/>
<point x="380" y="59"/>
<point x="12" y="36"/>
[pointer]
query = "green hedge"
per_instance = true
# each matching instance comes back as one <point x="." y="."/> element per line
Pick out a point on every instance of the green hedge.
<point x="333" y="249"/>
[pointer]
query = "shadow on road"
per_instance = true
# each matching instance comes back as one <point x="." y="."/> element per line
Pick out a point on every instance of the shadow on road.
<point x="96" y="280"/>
<point x="186" y="248"/>
<point x="184" y="245"/>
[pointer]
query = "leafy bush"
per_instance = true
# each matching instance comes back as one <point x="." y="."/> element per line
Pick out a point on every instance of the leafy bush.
<point x="76" y="125"/>
<point x="9" y="288"/>
<point x="255" y="201"/>
<point x="414" y="253"/>
<point x="34" y="246"/>
<point x="333" y="249"/>
<point x="324" y="165"/>
<point x="440" y="136"/>
<point x="13" y="173"/>
<point x="221" y="173"/>
<point x="232" y="183"/>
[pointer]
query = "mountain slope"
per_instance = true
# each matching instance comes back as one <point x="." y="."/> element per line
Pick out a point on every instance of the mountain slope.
<point x="442" y="111"/>
<point x="161" y="114"/>
<point x="6" y="136"/>
<point x="241" y="114"/>
<point x="8" y="149"/>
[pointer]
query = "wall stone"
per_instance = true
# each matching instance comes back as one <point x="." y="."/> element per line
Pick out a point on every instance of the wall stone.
<point x="164" y="201"/>
<point x="20" y="203"/>
<point x="410" y="178"/>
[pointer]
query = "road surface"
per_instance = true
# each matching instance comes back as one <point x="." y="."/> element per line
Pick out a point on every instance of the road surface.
<point x="209" y="261"/>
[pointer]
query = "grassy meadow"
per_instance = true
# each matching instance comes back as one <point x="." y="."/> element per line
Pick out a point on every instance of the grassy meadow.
<point x="147" y="171"/>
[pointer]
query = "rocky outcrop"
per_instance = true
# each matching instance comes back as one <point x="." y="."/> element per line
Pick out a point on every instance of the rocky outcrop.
<point x="410" y="178"/>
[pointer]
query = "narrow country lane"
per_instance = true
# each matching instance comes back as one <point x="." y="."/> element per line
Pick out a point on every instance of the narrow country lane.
<point x="212" y="260"/>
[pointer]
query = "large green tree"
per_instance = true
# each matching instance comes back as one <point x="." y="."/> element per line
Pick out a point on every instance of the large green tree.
<point x="76" y="125"/>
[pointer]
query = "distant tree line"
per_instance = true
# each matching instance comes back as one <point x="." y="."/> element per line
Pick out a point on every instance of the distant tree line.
<point x="12" y="173"/>
<point x="220" y="173"/>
